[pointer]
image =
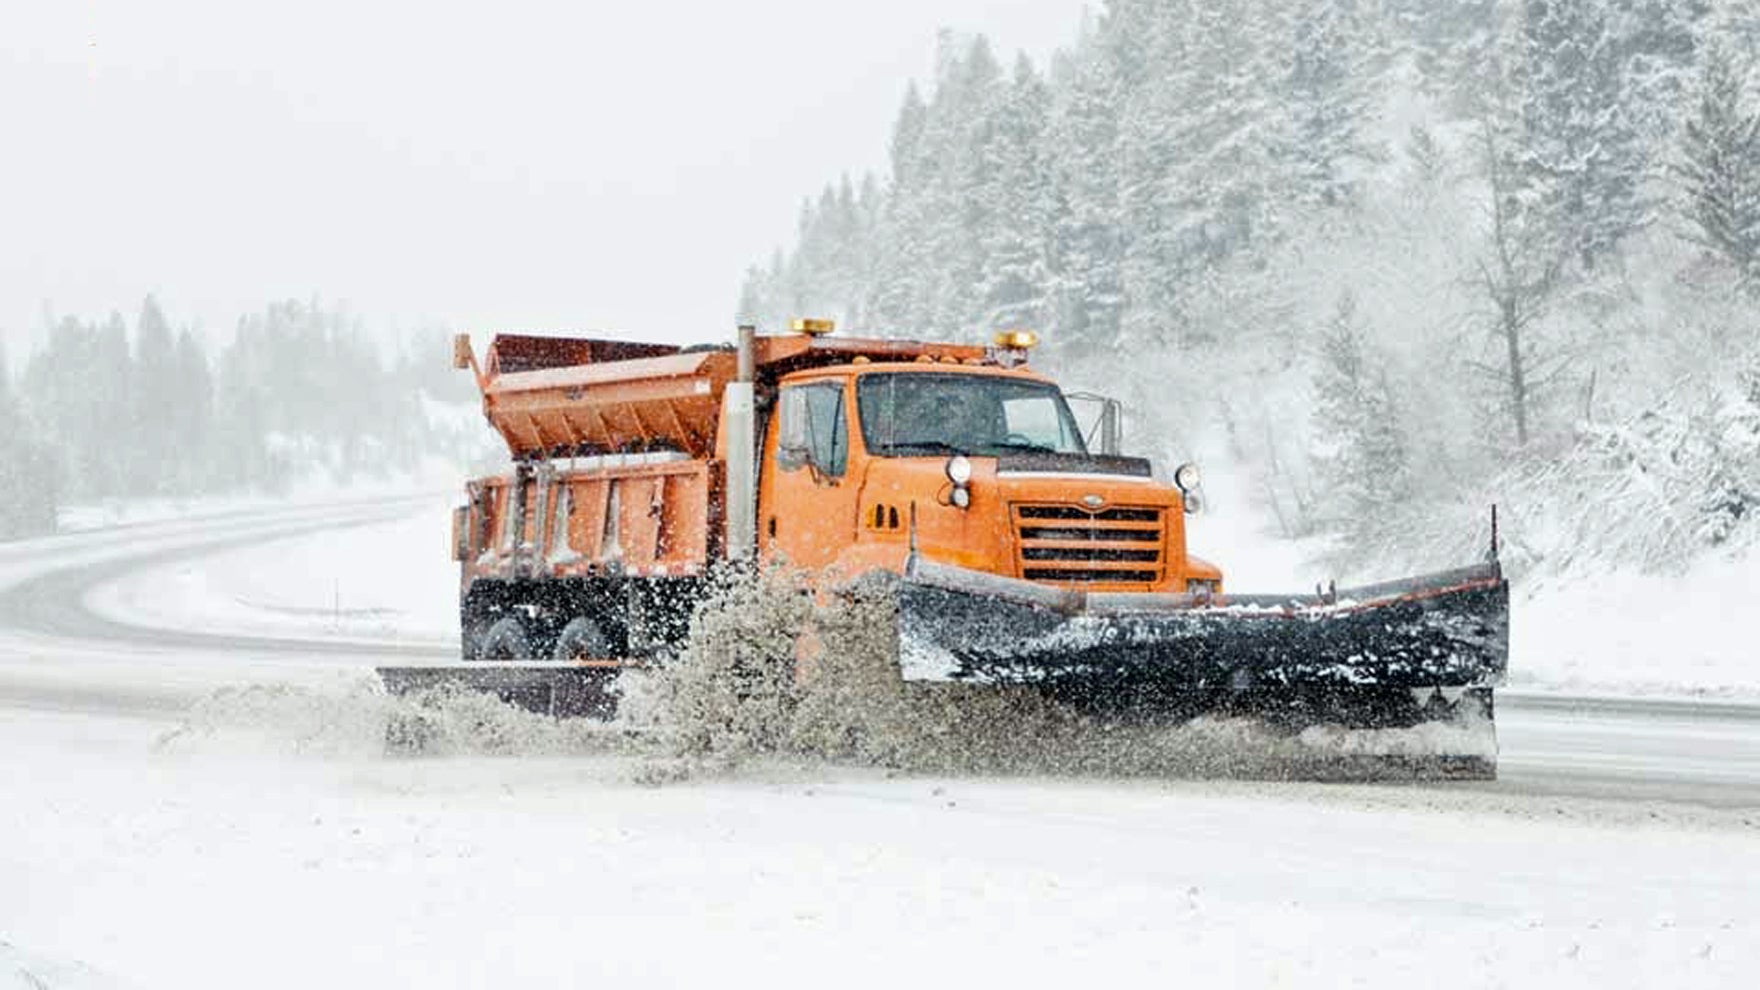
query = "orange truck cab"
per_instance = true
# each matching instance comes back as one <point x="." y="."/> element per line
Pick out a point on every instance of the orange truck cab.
<point x="978" y="466"/>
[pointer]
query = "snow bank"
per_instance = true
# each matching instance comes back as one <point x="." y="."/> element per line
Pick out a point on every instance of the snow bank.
<point x="1689" y="634"/>
<point x="390" y="581"/>
<point x="21" y="970"/>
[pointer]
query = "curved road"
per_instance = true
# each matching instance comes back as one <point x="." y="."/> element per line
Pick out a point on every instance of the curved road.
<point x="56" y="653"/>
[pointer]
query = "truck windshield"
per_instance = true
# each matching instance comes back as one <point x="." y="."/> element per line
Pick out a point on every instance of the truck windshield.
<point x="916" y="413"/>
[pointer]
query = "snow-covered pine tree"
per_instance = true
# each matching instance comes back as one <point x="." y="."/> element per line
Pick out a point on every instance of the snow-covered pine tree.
<point x="1145" y="41"/>
<point x="1452" y="44"/>
<point x="1579" y="147"/>
<point x="754" y="298"/>
<point x="1086" y="244"/>
<point x="1719" y="167"/>
<point x="192" y="414"/>
<point x="870" y="216"/>
<point x="1730" y="465"/>
<point x="902" y="269"/>
<point x="1013" y="181"/>
<point x="153" y="396"/>
<point x="962" y="218"/>
<point x="846" y="271"/>
<point x="1735" y="24"/>
<point x="1337" y="58"/>
<point x="1658" y="42"/>
<point x="28" y="485"/>
<point x="1231" y="134"/>
<point x="1361" y="459"/>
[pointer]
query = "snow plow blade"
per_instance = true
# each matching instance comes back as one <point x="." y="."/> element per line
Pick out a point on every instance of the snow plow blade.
<point x="559" y="688"/>
<point x="1407" y="653"/>
<point x="1449" y="629"/>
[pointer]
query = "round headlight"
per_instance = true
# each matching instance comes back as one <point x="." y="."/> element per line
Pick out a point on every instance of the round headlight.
<point x="962" y="497"/>
<point x="959" y="469"/>
<point x="1186" y="476"/>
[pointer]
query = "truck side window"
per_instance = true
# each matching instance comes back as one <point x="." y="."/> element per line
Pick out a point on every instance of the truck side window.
<point x="813" y="427"/>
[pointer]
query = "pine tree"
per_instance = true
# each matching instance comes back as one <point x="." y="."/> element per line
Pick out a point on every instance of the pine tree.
<point x="1148" y="45"/>
<point x="960" y="217"/>
<point x="1013" y="282"/>
<point x="1453" y="45"/>
<point x="1659" y="48"/>
<point x="191" y="418"/>
<point x="1362" y="461"/>
<point x="153" y="400"/>
<point x="28" y="486"/>
<point x="1720" y="167"/>
<point x="1087" y="240"/>
<point x="1580" y="148"/>
<point x="900" y="277"/>
<point x="1336" y="58"/>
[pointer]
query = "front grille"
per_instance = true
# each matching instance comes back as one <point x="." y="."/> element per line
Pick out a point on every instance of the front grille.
<point x="1104" y="515"/>
<point x="1066" y="544"/>
<point x="1090" y="535"/>
<point x="1083" y="553"/>
<point x="1060" y="575"/>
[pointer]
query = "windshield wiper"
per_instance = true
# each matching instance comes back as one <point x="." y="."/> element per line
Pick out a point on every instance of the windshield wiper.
<point x="924" y="446"/>
<point x="1037" y="448"/>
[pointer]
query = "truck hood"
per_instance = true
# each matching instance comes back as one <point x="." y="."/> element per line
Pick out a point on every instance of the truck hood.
<point x="1071" y="464"/>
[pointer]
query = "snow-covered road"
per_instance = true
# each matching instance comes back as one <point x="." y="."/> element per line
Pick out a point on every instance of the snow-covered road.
<point x="1620" y="848"/>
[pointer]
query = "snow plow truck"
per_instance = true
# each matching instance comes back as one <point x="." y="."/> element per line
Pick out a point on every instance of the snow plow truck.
<point x="1025" y="551"/>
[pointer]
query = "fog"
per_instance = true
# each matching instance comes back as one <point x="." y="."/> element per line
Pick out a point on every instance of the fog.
<point x="546" y="164"/>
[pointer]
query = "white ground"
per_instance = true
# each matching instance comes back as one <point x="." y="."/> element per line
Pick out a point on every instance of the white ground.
<point x="226" y="861"/>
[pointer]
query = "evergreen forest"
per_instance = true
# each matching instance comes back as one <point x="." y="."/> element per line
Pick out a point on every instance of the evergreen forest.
<point x="300" y="393"/>
<point x="1395" y="259"/>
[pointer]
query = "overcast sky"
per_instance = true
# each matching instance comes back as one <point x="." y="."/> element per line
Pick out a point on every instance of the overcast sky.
<point x="526" y="163"/>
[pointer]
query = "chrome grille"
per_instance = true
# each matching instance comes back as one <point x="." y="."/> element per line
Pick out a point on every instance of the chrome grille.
<point x="1066" y="544"/>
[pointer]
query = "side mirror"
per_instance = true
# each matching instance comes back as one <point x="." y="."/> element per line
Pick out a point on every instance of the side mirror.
<point x="462" y="358"/>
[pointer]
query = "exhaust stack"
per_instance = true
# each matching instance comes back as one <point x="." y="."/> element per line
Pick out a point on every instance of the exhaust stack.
<point x="739" y="408"/>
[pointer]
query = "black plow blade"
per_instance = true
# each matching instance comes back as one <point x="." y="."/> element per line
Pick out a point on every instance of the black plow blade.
<point x="1396" y="676"/>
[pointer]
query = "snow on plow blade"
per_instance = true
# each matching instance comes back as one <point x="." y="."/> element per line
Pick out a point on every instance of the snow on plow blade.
<point x="1150" y="654"/>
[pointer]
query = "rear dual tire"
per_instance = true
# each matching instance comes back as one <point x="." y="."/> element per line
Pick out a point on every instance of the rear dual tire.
<point x="508" y="638"/>
<point x="581" y="639"/>
<point x="505" y="639"/>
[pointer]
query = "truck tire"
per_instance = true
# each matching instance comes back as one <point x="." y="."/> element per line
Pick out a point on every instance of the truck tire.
<point x="506" y="640"/>
<point x="581" y="639"/>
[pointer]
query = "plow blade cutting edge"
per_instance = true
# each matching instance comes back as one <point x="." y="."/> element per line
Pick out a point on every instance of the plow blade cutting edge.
<point x="560" y="688"/>
<point x="1369" y="656"/>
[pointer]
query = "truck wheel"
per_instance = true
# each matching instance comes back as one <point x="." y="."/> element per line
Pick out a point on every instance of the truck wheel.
<point x="506" y="640"/>
<point x="581" y="639"/>
<point x="472" y="636"/>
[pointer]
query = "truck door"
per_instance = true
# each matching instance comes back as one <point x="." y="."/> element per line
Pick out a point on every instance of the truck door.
<point x="807" y="504"/>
